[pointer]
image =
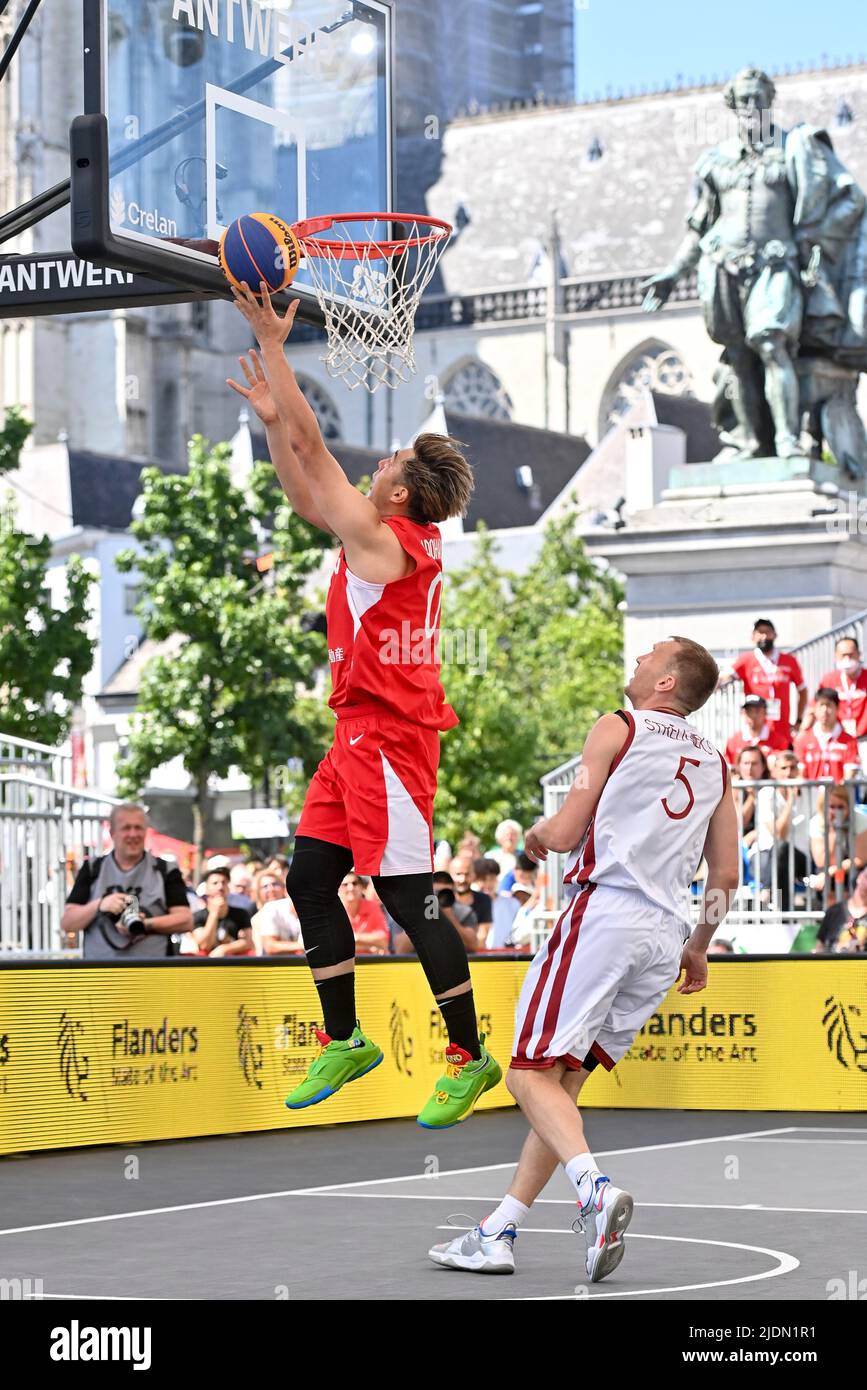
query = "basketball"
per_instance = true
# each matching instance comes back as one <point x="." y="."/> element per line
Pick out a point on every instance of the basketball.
<point x="256" y="247"/>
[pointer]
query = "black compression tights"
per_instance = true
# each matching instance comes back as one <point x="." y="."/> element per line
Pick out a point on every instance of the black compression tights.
<point x="315" y="874"/>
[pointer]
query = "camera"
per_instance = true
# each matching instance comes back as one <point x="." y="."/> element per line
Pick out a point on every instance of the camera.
<point x="132" y="917"/>
<point x="445" y="897"/>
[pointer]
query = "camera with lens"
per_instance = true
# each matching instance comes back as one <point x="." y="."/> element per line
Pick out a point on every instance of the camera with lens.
<point x="445" y="897"/>
<point x="132" y="917"/>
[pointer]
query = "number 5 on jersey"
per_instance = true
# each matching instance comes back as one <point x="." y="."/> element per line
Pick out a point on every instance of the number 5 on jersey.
<point x="679" y="777"/>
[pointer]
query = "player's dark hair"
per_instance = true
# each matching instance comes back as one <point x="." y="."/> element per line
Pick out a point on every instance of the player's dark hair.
<point x="697" y="673"/>
<point x="439" y="479"/>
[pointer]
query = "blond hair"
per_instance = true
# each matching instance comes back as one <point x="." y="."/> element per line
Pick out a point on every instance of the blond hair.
<point x="439" y="479"/>
<point x="696" y="671"/>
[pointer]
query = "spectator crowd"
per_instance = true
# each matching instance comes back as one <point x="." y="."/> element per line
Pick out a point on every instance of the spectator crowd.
<point x="799" y="780"/>
<point x="797" y="775"/>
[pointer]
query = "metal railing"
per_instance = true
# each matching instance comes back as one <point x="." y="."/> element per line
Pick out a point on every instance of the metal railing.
<point x="35" y="759"/>
<point x="795" y="863"/>
<point x="46" y="827"/>
<point x="721" y="716"/>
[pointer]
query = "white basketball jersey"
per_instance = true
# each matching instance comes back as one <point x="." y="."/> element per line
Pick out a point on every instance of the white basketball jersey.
<point x="650" y="823"/>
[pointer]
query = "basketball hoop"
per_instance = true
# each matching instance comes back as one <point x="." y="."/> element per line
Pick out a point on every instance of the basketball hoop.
<point x="369" y="288"/>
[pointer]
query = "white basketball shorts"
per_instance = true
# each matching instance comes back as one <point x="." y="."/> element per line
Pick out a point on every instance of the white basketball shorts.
<point x="605" y="968"/>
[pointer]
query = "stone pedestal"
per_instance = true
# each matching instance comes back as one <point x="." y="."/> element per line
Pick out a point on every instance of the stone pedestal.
<point x="724" y="544"/>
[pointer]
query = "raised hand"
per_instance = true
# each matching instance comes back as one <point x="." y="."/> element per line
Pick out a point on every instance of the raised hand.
<point x="257" y="391"/>
<point x="270" y="329"/>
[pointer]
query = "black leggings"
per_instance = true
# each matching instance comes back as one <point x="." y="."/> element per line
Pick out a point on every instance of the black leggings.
<point x="315" y="874"/>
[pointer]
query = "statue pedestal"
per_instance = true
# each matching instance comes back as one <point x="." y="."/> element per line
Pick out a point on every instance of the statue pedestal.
<point x="724" y="544"/>
<point x="760" y="475"/>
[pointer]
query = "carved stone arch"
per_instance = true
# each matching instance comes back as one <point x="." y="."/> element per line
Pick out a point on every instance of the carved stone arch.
<point x="471" y="387"/>
<point x="322" y="405"/>
<point x="652" y="365"/>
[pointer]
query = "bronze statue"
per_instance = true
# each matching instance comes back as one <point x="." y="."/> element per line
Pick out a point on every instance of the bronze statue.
<point x="779" y="236"/>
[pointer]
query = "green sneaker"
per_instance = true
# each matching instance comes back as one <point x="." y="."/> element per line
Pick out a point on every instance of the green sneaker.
<point x="340" y="1060"/>
<point x="457" y="1092"/>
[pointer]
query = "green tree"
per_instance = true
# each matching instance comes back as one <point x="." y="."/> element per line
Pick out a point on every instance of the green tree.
<point x="228" y="691"/>
<point x="13" y="436"/>
<point x="45" y="652"/>
<point x="530" y="661"/>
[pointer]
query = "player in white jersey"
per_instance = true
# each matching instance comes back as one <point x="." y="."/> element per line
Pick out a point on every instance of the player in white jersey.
<point x="652" y="797"/>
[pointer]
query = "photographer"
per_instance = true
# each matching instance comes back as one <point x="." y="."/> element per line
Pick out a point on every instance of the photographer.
<point x="127" y="904"/>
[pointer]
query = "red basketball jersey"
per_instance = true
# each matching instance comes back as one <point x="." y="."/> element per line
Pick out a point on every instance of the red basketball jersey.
<point x="384" y="639"/>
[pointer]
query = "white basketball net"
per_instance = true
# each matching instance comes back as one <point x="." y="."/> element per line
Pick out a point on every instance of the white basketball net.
<point x="369" y="295"/>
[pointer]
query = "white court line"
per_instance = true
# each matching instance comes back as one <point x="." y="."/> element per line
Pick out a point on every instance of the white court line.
<point x="492" y="1167"/>
<point x="570" y="1202"/>
<point x="827" y="1129"/>
<point x="363" y="1182"/>
<point x="106" y="1297"/>
<point x="862" y="1142"/>
<point x="786" y="1264"/>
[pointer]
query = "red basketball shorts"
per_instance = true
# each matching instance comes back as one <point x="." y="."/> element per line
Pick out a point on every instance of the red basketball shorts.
<point x="374" y="791"/>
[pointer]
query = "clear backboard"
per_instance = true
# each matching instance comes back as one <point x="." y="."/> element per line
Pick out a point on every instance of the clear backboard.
<point x="198" y="111"/>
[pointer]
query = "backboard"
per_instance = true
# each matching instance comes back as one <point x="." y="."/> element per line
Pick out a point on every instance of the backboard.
<point x="198" y="111"/>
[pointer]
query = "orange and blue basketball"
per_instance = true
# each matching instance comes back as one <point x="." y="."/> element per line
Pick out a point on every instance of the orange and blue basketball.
<point x="256" y="247"/>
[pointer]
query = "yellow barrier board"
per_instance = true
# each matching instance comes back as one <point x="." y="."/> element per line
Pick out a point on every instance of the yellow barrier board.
<point x="119" y="1054"/>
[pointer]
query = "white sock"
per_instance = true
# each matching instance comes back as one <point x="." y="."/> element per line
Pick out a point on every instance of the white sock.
<point x="510" y="1212"/>
<point x="580" y="1171"/>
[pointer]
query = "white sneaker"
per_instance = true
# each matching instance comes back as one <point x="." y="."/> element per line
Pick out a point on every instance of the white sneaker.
<point x="604" y="1219"/>
<point x="479" y="1253"/>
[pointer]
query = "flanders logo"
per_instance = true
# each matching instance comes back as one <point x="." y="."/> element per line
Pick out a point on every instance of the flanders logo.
<point x="401" y="1045"/>
<point x="846" y="1041"/>
<point x="249" y="1050"/>
<point x="73" y="1065"/>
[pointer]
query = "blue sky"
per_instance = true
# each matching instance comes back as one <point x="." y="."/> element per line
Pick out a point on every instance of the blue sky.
<point x="630" y="43"/>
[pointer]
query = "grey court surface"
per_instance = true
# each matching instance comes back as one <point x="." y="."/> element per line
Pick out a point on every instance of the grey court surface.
<point x="728" y="1207"/>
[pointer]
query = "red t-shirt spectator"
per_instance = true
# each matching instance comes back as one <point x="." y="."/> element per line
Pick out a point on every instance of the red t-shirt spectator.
<point x="370" y="921"/>
<point x="770" y="676"/>
<point x="826" y="755"/>
<point x="853" y="699"/>
<point x="771" y="739"/>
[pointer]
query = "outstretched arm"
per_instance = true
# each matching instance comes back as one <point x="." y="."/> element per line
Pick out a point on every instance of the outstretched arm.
<point x="345" y="511"/>
<point x="283" y="456"/>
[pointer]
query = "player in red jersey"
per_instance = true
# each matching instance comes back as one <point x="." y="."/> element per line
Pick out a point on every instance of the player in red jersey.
<point x="370" y="804"/>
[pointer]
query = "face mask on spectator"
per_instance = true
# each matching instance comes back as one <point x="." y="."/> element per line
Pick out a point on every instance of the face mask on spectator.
<point x="766" y="645"/>
<point x="849" y="665"/>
